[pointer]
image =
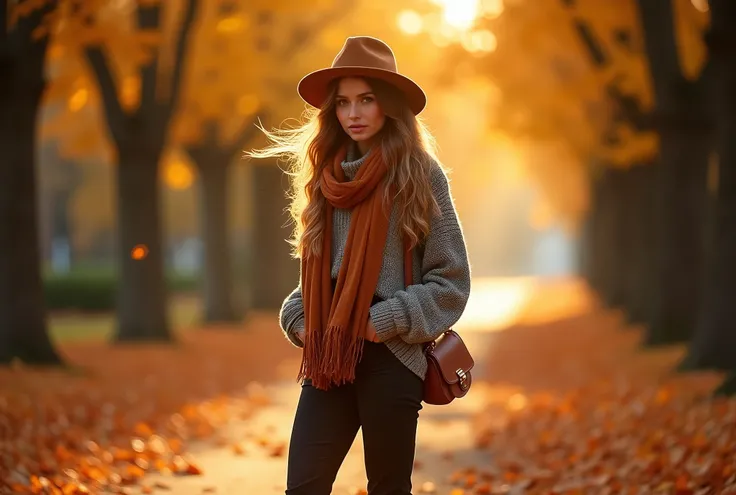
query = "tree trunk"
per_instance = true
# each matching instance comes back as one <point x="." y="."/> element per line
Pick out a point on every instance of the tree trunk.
<point x="609" y="252"/>
<point x="714" y="344"/>
<point x="142" y="289"/>
<point x="680" y="210"/>
<point x="218" y="284"/>
<point x="23" y="329"/>
<point x="627" y="243"/>
<point x="644" y="252"/>
<point x="140" y="137"/>
<point x="274" y="273"/>
<point x="594" y="236"/>
<point x="683" y="123"/>
<point x="586" y="255"/>
<point x="631" y="242"/>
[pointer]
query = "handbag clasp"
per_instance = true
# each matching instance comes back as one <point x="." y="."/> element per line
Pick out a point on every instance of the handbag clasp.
<point x="463" y="383"/>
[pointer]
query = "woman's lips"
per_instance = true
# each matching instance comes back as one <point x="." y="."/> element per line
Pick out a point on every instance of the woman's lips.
<point x="357" y="129"/>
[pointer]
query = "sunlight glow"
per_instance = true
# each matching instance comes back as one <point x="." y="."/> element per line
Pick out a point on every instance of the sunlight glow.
<point x="456" y="24"/>
<point x="230" y="24"/>
<point x="517" y="402"/>
<point x="409" y="22"/>
<point x="701" y="5"/>
<point x="496" y="303"/>
<point x="482" y="41"/>
<point x="439" y="38"/>
<point x="178" y="175"/>
<point x="78" y="100"/>
<point x="129" y="92"/>
<point x="460" y="14"/>
<point x="491" y="8"/>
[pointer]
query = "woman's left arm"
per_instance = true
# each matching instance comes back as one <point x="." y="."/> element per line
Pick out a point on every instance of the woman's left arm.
<point x="421" y="312"/>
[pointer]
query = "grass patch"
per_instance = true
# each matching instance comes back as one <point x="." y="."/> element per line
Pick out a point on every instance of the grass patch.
<point x="65" y="327"/>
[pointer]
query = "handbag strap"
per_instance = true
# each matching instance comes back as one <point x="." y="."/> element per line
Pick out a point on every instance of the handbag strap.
<point x="409" y="275"/>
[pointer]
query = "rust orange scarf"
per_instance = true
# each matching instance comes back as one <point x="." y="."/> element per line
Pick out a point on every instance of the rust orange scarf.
<point x="335" y="323"/>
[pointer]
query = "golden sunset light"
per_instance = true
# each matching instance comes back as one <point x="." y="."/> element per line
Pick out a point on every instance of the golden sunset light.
<point x="185" y="182"/>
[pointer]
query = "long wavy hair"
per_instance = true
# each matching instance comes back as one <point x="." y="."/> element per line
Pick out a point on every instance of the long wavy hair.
<point x="407" y="146"/>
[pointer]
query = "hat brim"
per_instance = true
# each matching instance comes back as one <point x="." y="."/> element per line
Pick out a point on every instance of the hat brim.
<point x="313" y="87"/>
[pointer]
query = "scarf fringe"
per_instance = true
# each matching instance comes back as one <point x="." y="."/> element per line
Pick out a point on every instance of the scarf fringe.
<point x="335" y="356"/>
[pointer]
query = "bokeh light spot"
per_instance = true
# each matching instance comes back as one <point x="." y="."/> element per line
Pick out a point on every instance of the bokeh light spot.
<point x="78" y="100"/>
<point x="410" y="22"/>
<point x="230" y="24"/>
<point x="701" y="5"/>
<point x="139" y="252"/>
<point x="178" y="175"/>
<point x="460" y="14"/>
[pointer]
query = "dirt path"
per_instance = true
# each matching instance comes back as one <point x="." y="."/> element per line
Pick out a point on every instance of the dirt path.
<point x="444" y="442"/>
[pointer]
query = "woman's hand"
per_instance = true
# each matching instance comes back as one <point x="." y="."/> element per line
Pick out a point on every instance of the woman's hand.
<point x="370" y="332"/>
<point x="301" y="334"/>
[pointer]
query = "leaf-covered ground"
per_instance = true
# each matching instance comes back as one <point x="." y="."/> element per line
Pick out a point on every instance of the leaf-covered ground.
<point x="570" y="405"/>
<point x="578" y="407"/>
<point x="131" y="410"/>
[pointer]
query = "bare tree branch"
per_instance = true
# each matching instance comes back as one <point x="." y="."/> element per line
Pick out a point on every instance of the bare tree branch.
<point x="629" y="108"/>
<point x="18" y="40"/>
<point x="181" y="47"/>
<point x="592" y="45"/>
<point x="149" y="18"/>
<point x="299" y="39"/>
<point x="108" y="89"/>
<point x="661" y="47"/>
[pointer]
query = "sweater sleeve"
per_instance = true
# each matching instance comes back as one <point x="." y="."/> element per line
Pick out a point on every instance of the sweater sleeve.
<point x="291" y="316"/>
<point x="421" y="312"/>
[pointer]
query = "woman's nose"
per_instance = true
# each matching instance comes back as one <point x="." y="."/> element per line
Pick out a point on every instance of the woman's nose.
<point x="354" y="111"/>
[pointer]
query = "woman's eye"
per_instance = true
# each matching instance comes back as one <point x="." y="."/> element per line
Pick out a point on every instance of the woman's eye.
<point x="367" y="99"/>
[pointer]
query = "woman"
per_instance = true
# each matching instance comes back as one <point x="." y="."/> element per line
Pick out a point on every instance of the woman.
<point x="384" y="267"/>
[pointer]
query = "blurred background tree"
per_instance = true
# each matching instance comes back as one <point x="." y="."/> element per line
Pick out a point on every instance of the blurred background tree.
<point x="579" y="75"/>
<point x="243" y="49"/>
<point x="23" y="48"/>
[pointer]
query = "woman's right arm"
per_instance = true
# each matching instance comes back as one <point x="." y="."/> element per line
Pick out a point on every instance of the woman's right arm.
<point x="291" y="317"/>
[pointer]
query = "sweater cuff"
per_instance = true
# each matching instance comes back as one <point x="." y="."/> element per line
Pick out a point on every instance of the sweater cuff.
<point x="383" y="320"/>
<point x="298" y="325"/>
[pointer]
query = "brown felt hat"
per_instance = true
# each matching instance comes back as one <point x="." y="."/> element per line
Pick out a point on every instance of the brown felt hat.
<point x="361" y="56"/>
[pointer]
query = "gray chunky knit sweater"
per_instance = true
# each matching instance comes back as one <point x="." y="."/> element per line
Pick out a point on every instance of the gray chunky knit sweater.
<point x="407" y="316"/>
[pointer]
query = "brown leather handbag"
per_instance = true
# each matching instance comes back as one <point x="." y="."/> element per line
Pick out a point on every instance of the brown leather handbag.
<point x="448" y="360"/>
<point x="448" y="369"/>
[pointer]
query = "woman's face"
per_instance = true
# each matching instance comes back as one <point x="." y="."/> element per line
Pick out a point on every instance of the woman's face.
<point x="358" y="111"/>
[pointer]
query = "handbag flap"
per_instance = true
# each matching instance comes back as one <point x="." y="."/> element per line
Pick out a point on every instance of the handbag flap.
<point x="451" y="354"/>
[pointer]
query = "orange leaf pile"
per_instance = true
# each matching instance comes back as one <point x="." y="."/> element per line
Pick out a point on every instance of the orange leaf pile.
<point x="131" y="411"/>
<point x="578" y="407"/>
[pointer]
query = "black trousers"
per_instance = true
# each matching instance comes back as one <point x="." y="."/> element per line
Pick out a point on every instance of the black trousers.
<point x="385" y="400"/>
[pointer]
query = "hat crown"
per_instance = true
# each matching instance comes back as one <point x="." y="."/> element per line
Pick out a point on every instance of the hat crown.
<point x="366" y="51"/>
<point x="361" y="56"/>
